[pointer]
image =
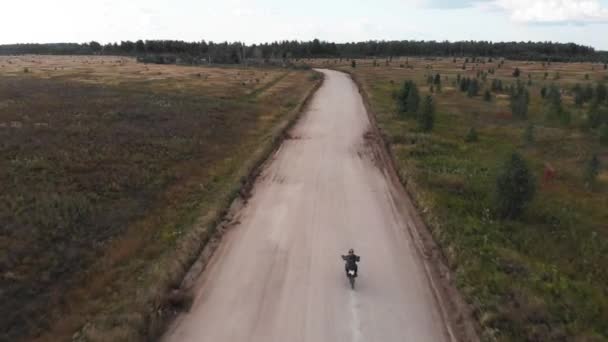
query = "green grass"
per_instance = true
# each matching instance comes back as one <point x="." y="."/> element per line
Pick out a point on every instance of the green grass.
<point x="538" y="278"/>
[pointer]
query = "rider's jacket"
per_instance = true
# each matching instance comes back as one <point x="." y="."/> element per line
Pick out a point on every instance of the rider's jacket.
<point x="351" y="259"/>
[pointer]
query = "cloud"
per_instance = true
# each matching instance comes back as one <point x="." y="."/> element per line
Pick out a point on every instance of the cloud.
<point x="550" y="11"/>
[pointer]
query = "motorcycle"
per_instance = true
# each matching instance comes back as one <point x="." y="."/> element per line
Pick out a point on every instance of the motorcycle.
<point x="351" y="278"/>
<point x="351" y="274"/>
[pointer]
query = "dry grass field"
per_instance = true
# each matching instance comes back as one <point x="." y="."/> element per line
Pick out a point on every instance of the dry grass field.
<point x="105" y="164"/>
<point x="538" y="278"/>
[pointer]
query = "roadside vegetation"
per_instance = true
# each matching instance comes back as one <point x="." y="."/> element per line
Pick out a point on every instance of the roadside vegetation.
<point x="511" y="178"/>
<point x="105" y="166"/>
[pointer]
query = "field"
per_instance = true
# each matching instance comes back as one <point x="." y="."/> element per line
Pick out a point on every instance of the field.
<point x="537" y="278"/>
<point x="105" y="167"/>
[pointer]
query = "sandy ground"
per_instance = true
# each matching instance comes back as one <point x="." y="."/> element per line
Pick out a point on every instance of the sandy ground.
<point x="278" y="275"/>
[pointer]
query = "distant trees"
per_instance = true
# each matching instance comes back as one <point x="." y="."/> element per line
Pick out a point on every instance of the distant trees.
<point x="140" y="47"/>
<point x="226" y="51"/>
<point x="95" y="47"/>
<point x="515" y="187"/>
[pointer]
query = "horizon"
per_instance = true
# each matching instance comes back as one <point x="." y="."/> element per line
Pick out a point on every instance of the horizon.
<point x="574" y="21"/>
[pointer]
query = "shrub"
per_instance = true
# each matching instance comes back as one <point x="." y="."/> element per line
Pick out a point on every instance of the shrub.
<point x="353" y="64"/>
<point x="515" y="187"/>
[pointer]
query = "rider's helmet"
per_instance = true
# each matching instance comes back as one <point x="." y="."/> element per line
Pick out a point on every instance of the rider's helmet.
<point x="351" y="251"/>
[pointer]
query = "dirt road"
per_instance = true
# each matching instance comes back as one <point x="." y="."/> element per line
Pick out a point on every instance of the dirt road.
<point x="278" y="275"/>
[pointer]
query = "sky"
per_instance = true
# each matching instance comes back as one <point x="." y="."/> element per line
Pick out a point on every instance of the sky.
<point x="254" y="21"/>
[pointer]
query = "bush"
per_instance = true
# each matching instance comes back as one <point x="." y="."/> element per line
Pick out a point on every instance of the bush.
<point x="353" y="64"/>
<point x="515" y="187"/>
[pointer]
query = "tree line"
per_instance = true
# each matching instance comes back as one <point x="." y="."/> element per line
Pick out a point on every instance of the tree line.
<point x="237" y="52"/>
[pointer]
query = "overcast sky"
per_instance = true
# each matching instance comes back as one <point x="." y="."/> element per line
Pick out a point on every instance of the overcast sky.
<point x="579" y="21"/>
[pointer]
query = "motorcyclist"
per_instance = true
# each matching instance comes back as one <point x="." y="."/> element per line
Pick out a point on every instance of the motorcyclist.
<point x="351" y="261"/>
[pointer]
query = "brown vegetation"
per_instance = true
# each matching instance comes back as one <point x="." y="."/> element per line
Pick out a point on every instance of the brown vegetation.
<point x="105" y="166"/>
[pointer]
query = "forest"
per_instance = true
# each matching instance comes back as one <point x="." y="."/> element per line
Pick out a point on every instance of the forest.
<point x="206" y="52"/>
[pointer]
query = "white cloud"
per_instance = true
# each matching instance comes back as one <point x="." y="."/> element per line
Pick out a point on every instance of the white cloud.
<point x="551" y="11"/>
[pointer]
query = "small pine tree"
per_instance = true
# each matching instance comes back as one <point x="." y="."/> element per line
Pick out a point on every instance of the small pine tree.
<point x="604" y="134"/>
<point x="402" y="95"/>
<point x="473" y="88"/>
<point x="471" y="136"/>
<point x="588" y="93"/>
<point x="601" y="93"/>
<point x="426" y="114"/>
<point x="437" y="79"/>
<point x="554" y="111"/>
<point x="413" y="100"/>
<point x="519" y="100"/>
<point x="515" y="187"/>
<point x="353" y="64"/>
<point x="594" y="116"/>
<point x="529" y="135"/>
<point x="592" y="170"/>
<point x="605" y="66"/>
<point x="516" y="72"/>
<point x="578" y="99"/>
<point x="543" y="92"/>
<point x="587" y="76"/>
<point x="487" y="96"/>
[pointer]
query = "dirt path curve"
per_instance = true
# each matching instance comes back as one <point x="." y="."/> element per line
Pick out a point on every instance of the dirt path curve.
<point x="278" y="275"/>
